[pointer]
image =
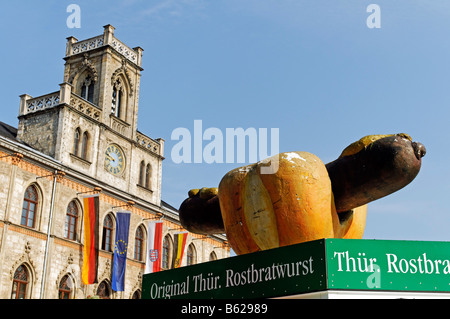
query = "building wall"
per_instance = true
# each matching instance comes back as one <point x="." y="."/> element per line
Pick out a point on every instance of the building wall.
<point x="40" y="131"/>
<point x="20" y="245"/>
<point x="71" y="121"/>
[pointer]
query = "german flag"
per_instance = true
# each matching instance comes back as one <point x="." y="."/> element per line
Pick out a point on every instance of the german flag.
<point x="179" y="244"/>
<point x="91" y="240"/>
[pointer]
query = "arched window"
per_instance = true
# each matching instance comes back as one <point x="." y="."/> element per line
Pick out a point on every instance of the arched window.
<point x="145" y="175"/>
<point x="76" y="141"/>
<point x="104" y="290"/>
<point x="139" y="244"/>
<point x="84" y="145"/>
<point x="148" y="176"/>
<point x="117" y="97"/>
<point x="107" y="239"/>
<point x="212" y="256"/>
<point x="29" y="207"/>
<point x="20" y="283"/>
<point x="87" y="89"/>
<point x="81" y="144"/>
<point x="166" y="253"/>
<point x="65" y="288"/>
<point x="136" y="295"/>
<point x="191" y="255"/>
<point x="70" y="229"/>
<point x="142" y="174"/>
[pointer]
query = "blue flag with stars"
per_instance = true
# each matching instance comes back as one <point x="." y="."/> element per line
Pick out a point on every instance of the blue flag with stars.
<point x="120" y="251"/>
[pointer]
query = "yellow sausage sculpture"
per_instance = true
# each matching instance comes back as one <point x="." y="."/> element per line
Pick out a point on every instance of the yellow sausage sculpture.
<point x="304" y="199"/>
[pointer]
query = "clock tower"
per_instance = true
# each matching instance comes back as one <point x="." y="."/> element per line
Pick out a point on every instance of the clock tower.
<point x="91" y="122"/>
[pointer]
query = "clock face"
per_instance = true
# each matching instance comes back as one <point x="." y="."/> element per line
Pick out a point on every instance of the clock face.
<point x="114" y="160"/>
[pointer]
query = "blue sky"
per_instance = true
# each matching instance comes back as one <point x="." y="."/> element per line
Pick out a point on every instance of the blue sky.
<point x="311" y="68"/>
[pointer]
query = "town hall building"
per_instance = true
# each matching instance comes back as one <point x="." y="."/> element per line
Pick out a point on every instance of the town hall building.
<point x="79" y="141"/>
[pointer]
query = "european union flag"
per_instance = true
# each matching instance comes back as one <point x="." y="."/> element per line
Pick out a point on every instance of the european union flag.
<point x="120" y="251"/>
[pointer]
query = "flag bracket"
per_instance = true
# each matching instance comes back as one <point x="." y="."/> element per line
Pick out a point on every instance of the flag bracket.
<point x="159" y="216"/>
<point x="18" y="155"/>
<point x="180" y="228"/>
<point x="201" y="238"/>
<point x="95" y="190"/>
<point x="130" y="203"/>
<point x="59" y="174"/>
<point x="224" y="245"/>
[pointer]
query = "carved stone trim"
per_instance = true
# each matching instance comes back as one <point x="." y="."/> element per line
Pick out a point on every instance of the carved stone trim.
<point x="106" y="275"/>
<point x="70" y="270"/>
<point x="25" y="259"/>
<point x="85" y="65"/>
<point x="16" y="159"/>
<point x="123" y="71"/>
<point x="85" y="107"/>
<point x="137" y="285"/>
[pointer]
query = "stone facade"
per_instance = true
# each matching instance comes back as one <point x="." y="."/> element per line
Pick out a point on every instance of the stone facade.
<point x="60" y="150"/>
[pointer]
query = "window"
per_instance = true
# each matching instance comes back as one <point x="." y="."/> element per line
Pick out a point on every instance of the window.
<point x="103" y="290"/>
<point x="70" y="230"/>
<point x="148" y="175"/>
<point x="107" y="233"/>
<point x="139" y="244"/>
<point x="166" y="252"/>
<point x="76" y="141"/>
<point x="116" y="107"/>
<point x="65" y="288"/>
<point x="84" y="145"/>
<point x="191" y="256"/>
<point x="81" y="144"/>
<point x="142" y="174"/>
<point x="30" y="203"/>
<point x="136" y="295"/>
<point x="145" y="175"/>
<point x="20" y="283"/>
<point x="87" y="89"/>
<point x="212" y="256"/>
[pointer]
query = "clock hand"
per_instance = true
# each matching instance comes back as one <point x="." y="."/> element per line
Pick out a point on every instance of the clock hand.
<point x="110" y="158"/>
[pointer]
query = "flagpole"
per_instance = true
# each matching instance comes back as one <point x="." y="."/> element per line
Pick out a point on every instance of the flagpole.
<point x="52" y="205"/>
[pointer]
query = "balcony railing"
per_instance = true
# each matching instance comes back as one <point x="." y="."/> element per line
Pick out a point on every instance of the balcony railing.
<point x="149" y="143"/>
<point x="85" y="107"/>
<point x="107" y="38"/>
<point x="86" y="45"/>
<point x="29" y="104"/>
<point x="42" y="102"/>
<point x="130" y="54"/>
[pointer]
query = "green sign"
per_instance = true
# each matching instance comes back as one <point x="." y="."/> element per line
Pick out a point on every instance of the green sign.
<point x="329" y="264"/>
<point x="388" y="265"/>
<point x="278" y="272"/>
